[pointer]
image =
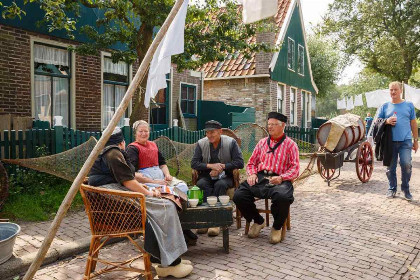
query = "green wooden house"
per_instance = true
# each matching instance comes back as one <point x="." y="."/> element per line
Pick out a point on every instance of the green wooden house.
<point x="269" y="82"/>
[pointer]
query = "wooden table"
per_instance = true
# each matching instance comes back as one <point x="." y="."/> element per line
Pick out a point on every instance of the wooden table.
<point x="205" y="216"/>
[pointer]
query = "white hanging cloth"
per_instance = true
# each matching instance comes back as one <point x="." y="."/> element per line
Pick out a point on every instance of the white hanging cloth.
<point x="341" y="104"/>
<point x="358" y="100"/>
<point x="172" y="44"/>
<point x="375" y="99"/>
<point x="50" y="55"/>
<point x="412" y="94"/>
<point x="350" y="105"/>
<point x="255" y="10"/>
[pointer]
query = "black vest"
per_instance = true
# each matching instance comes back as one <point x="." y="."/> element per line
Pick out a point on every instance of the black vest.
<point x="100" y="174"/>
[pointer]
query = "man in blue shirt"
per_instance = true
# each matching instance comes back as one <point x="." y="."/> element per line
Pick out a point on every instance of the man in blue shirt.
<point x="400" y="114"/>
<point x="368" y="121"/>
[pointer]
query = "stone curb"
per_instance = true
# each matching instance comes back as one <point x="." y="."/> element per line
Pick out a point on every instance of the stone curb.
<point x="17" y="266"/>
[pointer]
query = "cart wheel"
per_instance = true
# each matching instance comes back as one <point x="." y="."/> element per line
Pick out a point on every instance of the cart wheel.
<point x="327" y="174"/>
<point x="364" y="162"/>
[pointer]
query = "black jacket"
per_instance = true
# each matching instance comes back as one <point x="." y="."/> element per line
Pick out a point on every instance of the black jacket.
<point x="382" y="135"/>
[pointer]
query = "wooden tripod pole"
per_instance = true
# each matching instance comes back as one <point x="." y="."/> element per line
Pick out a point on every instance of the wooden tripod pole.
<point x="101" y="143"/>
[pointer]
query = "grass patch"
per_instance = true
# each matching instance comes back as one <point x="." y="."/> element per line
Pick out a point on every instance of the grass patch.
<point x="35" y="196"/>
<point x="38" y="207"/>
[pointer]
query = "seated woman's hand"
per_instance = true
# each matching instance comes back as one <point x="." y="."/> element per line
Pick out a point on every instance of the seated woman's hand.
<point x="160" y="182"/>
<point x="168" y="178"/>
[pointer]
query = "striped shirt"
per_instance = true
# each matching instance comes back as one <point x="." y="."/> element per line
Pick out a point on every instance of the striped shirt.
<point x="284" y="161"/>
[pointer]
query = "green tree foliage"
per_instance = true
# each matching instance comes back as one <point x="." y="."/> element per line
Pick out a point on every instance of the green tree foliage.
<point x="367" y="80"/>
<point x="384" y="34"/>
<point x="326" y="62"/>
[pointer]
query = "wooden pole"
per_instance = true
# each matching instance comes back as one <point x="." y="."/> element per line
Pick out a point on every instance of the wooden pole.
<point x="101" y="144"/>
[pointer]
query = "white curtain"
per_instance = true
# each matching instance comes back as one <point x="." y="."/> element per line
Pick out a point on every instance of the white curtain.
<point x="42" y="98"/>
<point x="358" y="100"/>
<point x="111" y="101"/>
<point x="412" y="94"/>
<point x="119" y="94"/>
<point x="119" y="68"/>
<point x="61" y="99"/>
<point x="108" y="106"/>
<point x="50" y="55"/>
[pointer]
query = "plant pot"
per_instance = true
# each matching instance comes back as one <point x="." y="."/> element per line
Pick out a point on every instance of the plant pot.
<point x="8" y="233"/>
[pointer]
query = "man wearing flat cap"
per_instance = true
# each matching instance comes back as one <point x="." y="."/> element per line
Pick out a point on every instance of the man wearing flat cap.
<point x="215" y="157"/>
<point x="271" y="169"/>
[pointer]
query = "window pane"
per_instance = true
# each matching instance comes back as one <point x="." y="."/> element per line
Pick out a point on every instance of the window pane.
<point x="191" y="93"/>
<point x="184" y="106"/>
<point x="279" y="105"/>
<point x="191" y="107"/>
<point x="119" y="95"/>
<point x="184" y="92"/>
<point x="61" y="99"/>
<point x="108" y="104"/>
<point x="42" y="97"/>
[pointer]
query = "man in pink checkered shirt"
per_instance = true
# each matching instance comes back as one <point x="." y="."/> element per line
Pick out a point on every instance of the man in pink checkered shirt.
<point x="271" y="169"/>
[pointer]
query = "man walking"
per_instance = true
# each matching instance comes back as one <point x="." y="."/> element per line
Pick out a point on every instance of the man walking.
<point x="271" y="169"/>
<point x="401" y="116"/>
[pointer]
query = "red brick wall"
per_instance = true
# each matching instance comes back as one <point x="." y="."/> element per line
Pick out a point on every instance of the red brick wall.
<point x="15" y="73"/>
<point x="263" y="59"/>
<point x="88" y="93"/>
<point x="177" y="79"/>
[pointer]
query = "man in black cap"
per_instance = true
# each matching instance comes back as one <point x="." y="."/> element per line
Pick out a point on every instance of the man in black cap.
<point x="271" y="169"/>
<point x="215" y="157"/>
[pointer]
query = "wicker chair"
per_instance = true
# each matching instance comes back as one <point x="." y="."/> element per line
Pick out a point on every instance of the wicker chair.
<point x="114" y="214"/>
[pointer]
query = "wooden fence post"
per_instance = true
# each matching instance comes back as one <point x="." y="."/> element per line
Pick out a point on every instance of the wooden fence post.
<point x="58" y="137"/>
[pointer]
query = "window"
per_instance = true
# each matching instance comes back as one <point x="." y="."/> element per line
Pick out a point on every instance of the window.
<point x="292" y="106"/>
<point x="52" y="76"/>
<point x="301" y="60"/>
<point x="291" y="54"/>
<point x="115" y="77"/>
<point x="188" y="100"/>
<point x="280" y="98"/>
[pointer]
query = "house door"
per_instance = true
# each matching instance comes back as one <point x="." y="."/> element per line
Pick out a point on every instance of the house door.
<point x="159" y="110"/>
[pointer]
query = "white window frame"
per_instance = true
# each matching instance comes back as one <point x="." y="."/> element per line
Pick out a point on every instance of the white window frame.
<point x="300" y="47"/>
<point x="33" y="40"/>
<point x="283" y="97"/>
<point x="293" y="105"/>
<point x="292" y="68"/>
<point x="130" y="77"/>
<point x="309" y="105"/>
<point x="196" y="97"/>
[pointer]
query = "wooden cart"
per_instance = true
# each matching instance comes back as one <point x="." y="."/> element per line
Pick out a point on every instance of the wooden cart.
<point x="328" y="163"/>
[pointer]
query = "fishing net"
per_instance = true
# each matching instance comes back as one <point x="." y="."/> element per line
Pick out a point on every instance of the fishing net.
<point x="65" y="165"/>
<point x="178" y="156"/>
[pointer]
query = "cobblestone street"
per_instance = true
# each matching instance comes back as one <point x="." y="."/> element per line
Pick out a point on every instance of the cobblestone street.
<point x="349" y="230"/>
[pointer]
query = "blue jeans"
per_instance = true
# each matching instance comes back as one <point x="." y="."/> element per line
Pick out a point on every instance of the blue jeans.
<point x="401" y="149"/>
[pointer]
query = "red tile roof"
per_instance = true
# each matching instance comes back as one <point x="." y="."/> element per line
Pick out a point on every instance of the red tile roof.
<point x="236" y="64"/>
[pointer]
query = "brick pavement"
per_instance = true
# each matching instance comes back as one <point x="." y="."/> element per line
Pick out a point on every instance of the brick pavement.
<point x="74" y="226"/>
<point x="346" y="231"/>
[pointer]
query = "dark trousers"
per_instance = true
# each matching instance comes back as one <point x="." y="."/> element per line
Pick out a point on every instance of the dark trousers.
<point x="281" y="197"/>
<point x="214" y="187"/>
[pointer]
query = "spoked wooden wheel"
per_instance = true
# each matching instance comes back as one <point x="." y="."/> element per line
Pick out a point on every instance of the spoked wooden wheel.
<point x="364" y="162"/>
<point x="325" y="173"/>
